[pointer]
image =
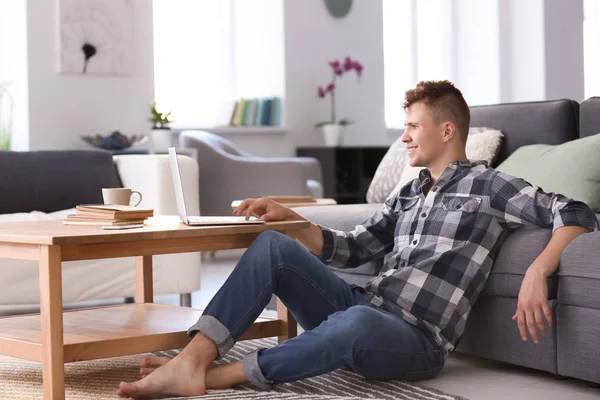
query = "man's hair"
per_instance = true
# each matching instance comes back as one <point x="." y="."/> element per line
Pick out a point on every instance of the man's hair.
<point x="445" y="102"/>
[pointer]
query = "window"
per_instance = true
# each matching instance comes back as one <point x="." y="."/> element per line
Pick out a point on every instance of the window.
<point x="416" y="43"/>
<point x="212" y="51"/>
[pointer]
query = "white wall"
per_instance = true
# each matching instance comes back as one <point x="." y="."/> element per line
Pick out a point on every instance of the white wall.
<point x="312" y="39"/>
<point x="13" y="66"/>
<point x="563" y="25"/>
<point x="62" y="107"/>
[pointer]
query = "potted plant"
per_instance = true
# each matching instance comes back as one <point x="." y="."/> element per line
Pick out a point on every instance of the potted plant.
<point x="6" y="106"/>
<point x="160" y="134"/>
<point x="333" y="129"/>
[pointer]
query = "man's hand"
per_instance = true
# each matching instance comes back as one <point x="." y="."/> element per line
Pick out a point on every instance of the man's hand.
<point x="532" y="305"/>
<point x="533" y="296"/>
<point x="266" y="209"/>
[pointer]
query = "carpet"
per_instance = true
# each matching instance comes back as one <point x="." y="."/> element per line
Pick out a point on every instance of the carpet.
<point x="98" y="379"/>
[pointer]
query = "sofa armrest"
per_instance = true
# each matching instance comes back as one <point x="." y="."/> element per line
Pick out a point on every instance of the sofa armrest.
<point x="151" y="175"/>
<point x="342" y="217"/>
<point x="581" y="258"/>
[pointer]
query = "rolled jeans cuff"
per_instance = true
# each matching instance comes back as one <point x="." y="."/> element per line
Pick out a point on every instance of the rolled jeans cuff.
<point x="254" y="373"/>
<point x="215" y="331"/>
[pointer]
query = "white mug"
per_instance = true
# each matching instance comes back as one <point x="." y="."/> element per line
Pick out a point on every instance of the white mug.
<point x="121" y="196"/>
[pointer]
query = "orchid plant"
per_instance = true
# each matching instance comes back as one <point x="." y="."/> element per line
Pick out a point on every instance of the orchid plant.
<point x="339" y="69"/>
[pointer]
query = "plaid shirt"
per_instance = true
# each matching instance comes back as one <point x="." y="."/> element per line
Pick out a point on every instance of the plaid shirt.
<point x="443" y="244"/>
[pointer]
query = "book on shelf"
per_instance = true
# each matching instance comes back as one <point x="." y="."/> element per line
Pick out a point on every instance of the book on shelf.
<point x="263" y="111"/>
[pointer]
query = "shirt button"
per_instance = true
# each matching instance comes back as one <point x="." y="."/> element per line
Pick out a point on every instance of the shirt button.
<point x="423" y="215"/>
<point x="434" y="188"/>
<point x="415" y="241"/>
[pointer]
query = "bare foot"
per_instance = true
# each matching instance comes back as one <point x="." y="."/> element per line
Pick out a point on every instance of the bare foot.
<point x="150" y="363"/>
<point x="181" y="376"/>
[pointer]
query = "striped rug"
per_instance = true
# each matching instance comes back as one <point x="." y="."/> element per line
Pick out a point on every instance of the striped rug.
<point x="338" y="385"/>
<point x="99" y="379"/>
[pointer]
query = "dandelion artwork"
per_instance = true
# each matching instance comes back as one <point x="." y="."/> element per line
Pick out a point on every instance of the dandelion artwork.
<point x="96" y="36"/>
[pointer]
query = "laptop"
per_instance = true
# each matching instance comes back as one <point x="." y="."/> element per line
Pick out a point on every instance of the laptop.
<point x="197" y="220"/>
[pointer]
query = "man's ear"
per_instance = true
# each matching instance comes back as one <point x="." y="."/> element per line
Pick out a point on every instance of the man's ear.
<point x="449" y="131"/>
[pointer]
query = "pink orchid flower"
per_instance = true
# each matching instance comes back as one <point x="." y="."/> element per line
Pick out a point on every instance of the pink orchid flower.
<point x="348" y="64"/>
<point x="338" y="70"/>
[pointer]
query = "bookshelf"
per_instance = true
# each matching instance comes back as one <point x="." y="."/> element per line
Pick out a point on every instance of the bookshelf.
<point x="347" y="171"/>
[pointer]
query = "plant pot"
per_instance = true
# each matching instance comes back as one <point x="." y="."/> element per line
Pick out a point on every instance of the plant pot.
<point x="333" y="134"/>
<point x="161" y="140"/>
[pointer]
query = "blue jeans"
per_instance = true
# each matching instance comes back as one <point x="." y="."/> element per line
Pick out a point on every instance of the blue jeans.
<point x="340" y="331"/>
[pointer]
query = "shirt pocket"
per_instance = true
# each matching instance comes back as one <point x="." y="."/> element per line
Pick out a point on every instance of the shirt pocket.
<point x="458" y="216"/>
<point x="463" y="204"/>
<point x="408" y="208"/>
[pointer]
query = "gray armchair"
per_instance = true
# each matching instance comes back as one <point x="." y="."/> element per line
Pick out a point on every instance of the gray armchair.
<point x="229" y="173"/>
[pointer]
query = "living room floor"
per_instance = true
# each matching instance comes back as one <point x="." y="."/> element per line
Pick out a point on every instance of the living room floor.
<point x="466" y="376"/>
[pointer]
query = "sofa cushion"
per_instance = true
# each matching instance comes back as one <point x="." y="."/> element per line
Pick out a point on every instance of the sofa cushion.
<point x="517" y="253"/>
<point x="54" y="180"/>
<point x="546" y="122"/>
<point x="571" y="169"/>
<point x="388" y="173"/>
<point x="579" y="272"/>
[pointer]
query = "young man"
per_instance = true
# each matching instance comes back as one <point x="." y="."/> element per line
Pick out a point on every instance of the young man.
<point x="443" y="230"/>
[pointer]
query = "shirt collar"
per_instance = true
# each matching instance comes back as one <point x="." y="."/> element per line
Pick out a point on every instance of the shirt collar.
<point x="450" y="171"/>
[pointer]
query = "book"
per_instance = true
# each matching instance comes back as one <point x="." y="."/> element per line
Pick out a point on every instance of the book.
<point x="82" y="216"/>
<point x="259" y="112"/>
<point x="114" y="211"/>
<point x="103" y="222"/>
<point x="275" y="118"/>
<point x="239" y="112"/>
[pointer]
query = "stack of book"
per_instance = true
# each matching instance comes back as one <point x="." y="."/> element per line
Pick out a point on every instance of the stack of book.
<point x="108" y="215"/>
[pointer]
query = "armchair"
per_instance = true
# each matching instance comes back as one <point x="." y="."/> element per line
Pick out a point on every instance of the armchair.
<point x="228" y="173"/>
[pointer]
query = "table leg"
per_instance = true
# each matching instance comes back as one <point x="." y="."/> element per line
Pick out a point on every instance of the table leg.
<point x="290" y="327"/>
<point x="144" y="291"/>
<point x="51" y="317"/>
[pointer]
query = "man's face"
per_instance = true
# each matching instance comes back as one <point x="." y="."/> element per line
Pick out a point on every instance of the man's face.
<point x="423" y="137"/>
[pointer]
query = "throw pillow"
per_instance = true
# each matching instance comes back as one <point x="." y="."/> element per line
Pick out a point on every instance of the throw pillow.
<point x="482" y="144"/>
<point x="571" y="169"/>
<point x="388" y="173"/>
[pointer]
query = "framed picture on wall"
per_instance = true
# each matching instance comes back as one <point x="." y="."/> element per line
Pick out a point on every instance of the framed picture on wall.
<point x="95" y="36"/>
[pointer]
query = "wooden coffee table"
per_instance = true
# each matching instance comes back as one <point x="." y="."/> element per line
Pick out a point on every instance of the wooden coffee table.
<point x="54" y="337"/>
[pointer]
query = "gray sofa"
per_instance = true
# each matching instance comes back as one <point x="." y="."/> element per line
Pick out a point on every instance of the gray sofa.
<point x="572" y="346"/>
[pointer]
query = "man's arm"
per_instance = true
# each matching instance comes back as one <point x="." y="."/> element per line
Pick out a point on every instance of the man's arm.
<point x="518" y="203"/>
<point x="533" y="296"/>
<point x="312" y="238"/>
